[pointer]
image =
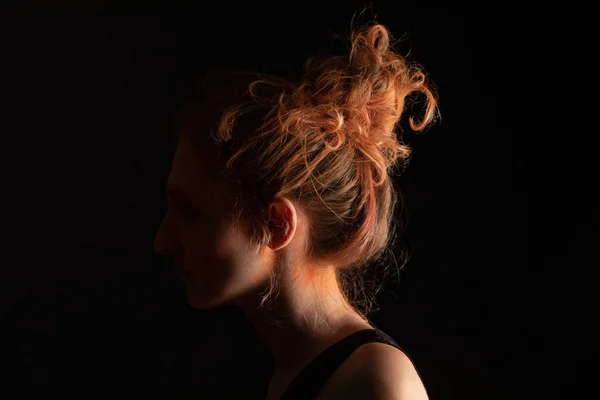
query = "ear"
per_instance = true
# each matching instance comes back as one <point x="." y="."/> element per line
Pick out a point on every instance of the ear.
<point x="282" y="222"/>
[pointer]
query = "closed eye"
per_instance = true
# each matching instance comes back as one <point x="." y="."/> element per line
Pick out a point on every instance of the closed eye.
<point x="186" y="209"/>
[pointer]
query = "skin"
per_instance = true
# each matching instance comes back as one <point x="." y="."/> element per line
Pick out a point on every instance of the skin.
<point x="220" y="267"/>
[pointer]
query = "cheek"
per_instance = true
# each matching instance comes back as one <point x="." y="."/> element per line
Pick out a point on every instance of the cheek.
<point x="213" y="249"/>
<point x="222" y="262"/>
<point x="201" y="246"/>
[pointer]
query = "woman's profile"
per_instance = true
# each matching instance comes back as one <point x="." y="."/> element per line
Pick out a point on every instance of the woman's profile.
<point x="277" y="189"/>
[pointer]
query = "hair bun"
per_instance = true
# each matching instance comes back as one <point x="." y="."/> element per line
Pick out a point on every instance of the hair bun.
<point x="361" y="98"/>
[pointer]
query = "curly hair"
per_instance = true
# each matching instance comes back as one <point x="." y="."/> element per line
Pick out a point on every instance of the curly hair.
<point x="328" y="142"/>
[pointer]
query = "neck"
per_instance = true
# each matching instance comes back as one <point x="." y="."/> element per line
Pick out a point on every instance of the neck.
<point x="302" y="321"/>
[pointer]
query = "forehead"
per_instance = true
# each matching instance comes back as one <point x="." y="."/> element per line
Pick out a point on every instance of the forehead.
<point x="192" y="174"/>
<point x="187" y="169"/>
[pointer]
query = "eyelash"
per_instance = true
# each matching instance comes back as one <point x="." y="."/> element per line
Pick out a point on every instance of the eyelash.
<point x="186" y="209"/>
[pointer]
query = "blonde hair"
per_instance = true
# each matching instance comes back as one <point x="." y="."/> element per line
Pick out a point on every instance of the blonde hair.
<point x="328" y="142"/>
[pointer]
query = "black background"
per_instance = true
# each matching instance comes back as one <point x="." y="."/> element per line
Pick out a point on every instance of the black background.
<point x="497" y="298"/>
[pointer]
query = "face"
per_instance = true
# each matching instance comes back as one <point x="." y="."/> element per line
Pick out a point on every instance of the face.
<point x="214" y="257"/>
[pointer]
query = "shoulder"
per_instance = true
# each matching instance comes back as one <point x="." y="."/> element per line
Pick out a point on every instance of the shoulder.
<point x="375" y="371"/>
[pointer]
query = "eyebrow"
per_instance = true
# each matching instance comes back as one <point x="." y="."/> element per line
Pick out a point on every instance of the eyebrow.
<point x="175" y="191"/>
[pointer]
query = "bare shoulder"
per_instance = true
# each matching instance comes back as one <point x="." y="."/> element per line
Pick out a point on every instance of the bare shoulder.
<point x="375" y="371"/>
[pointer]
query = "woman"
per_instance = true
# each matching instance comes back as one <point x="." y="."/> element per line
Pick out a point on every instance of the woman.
<point x="299" y="195"/>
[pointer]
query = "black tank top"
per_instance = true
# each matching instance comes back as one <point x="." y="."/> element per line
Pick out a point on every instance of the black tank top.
<point x="307" y="384"/>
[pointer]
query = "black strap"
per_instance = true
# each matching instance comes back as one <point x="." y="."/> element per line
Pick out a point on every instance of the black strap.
<point x="307" y="384"/>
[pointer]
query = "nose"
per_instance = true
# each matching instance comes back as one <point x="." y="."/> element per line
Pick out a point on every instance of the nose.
<point x="164" y="242"/>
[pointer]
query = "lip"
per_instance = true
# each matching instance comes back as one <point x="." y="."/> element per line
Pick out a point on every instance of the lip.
<point x="183" y="272"/>
<point x="178" y="266"/>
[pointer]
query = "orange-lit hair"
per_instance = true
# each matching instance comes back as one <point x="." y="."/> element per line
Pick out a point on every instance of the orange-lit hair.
<point x="328" y="142"/>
